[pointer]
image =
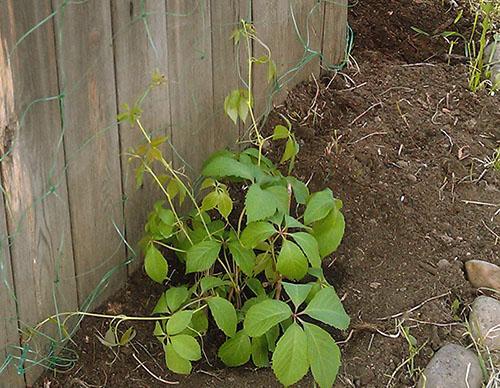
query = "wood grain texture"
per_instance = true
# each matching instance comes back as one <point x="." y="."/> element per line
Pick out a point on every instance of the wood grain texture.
<point x="190" y="81"/>
<point x="140" y="48"/>
<point x="334" y="33"/>
<point x="227" y="61"/>
<point x="33" y="174"/>
<point x="8" y="315"/>
<point x="86" y="74"/>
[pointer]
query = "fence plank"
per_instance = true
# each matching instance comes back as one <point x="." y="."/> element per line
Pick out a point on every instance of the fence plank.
<point x="289" y="28"/>
<point x="226" y="57"/>
<point x="190" y="80"/>
<point x="33" y="175"/>
<point x="8" y="319"/>
<point x="140" y="47"/>
<point x="334" y="33"/>
<point x="86" y="74"/>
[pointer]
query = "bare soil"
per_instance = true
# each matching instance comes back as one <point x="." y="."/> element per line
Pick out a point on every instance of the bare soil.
<point x="403" y="143"/>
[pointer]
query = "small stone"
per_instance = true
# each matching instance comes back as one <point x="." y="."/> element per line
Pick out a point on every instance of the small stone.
<point x="452" y="366"/>
<point x="412" y="178"/>
<point x="375" y="285"/>
<point x="443" y="264"/>
<point x="485" y="322"/>
<point x="402" y="163"/>
<point x="482" y="274"/>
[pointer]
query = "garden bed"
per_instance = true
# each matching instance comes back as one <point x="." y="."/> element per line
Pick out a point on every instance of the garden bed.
<point x="401" y="141"/>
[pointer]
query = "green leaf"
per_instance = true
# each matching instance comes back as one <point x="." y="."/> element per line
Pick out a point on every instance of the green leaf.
<point x="210" y="282"/>
<point x="309" y="246"/>
<point x="244" y="257"/>
<point x="271" y="70"/>
<point x="291" y="261"/>
<point x="323" y="354"/>
<point x="175" y="362"/>
<point x="255" y="233"/>
<point x="329" y="232"/>
<point x="327" y="308"/>
<point x="179" y="321"/>
<point x="210" y="201"/>
<point x="176" y="296"/>
<point x="290" y="362"/>
<point x="300" y="190"/>
<point x="260" y="352"/>
<point x="318" y="206"/>
<point x="202" y="256"/>
<point x="264" y="315"/>
<point x="128" y="336"/>
<point x="260" y="204"/>
<point x="297" y="292"/>
<point x="291" y="149"/>
<point x="223" y="166"/>
<point x="256" y="286"/>
<point x="155" y="264"/>
<point x="280" y="132"/>
<point x="236" y="351"/>
<point x="186" y="346"/>
<point x="280" y="194"/>
<point x="199" y="323"/>
<point x="225" y="205"/>
<point x="272" y="336"/>
<point x="224" y="314"/>
<point x="161" y="306"/>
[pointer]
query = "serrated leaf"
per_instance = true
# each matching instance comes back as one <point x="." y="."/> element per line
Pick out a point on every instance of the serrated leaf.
<point x="260" y="204"/>
<point x="224" y="314"/>
<point x="300" y="190"/>
<point x="210" y="282"/>
<point x="264" y="315"/>
<point x="318" y="206"/>
<point x="244" y="257"/>
<point x="186" y="346"/>
<point x="323" y="354"/>
<point x="175" y="362"/>
<point x="260" y="352"/>
<point x="236" y="351"/>
<point x="297" y="292"/>
<point x="225" y="204"/>
<point x="155" y="264"/>
<point x="202" y="256"/>
<point x="291" y="149"/>
<point x="290" y="361"/>
<point x="309" y="246"/>
<point x="224" y="166"/>
<point x="328" y="232"/>
<point x="161" y="306"/>
<point x="176" y="296"/>
<point x="280" y="194"/>
<point x="327" y="308"/>
<point x="255" y="233"/>
<point x="179" y="321"/>
<point x="291" y="261"/>
<point x="210" y="201"/>
<point x="280" y="132"/>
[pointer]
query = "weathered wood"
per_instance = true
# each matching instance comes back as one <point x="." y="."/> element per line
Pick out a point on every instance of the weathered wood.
<point x="334" y="33"/>
<point x="228" y="61"/>
<point x="140" y="48"/>
<point x="9" y="335"/>
<point x="86" y="74"/>
<point x="190" y="80"/>
<point x="33" y="175"/>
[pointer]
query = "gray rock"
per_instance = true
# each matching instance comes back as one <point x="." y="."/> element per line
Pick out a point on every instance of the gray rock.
<point x="482" y="274"/>
<point x="492" y="61"/>
<point x="443" y="264"/>
<point x="484" y="320"/>
<point x="452" y="366"/>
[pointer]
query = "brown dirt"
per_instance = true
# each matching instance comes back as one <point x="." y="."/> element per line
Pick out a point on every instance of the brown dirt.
<point x="402" y="148"/>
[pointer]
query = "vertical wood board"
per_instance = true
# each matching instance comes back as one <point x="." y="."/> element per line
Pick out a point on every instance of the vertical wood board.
<point x="140" y="48"/>
<point x="86" y="73"/>
<point x="334" y="33"/>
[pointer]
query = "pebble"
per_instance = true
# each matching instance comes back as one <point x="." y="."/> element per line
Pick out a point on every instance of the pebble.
<point x="482" y="274"/>
<point x="450" y="367"/>
<point x="485" y="322"/>
<point x="402" y="163"/>
<point x="412" y="178"/>
<point x="443" y="264"/>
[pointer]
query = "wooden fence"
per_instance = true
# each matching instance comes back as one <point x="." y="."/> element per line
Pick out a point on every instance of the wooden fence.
<point x="68" y="199"/>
